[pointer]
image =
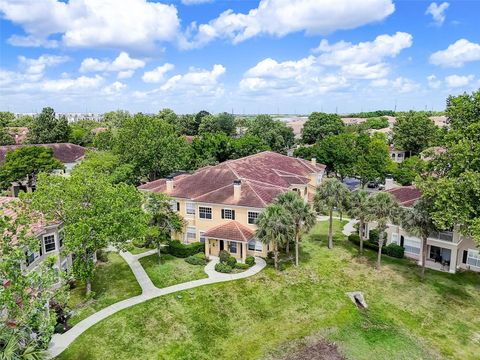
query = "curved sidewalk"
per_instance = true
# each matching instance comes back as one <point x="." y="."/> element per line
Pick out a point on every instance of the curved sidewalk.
<point x="61" y="341"/>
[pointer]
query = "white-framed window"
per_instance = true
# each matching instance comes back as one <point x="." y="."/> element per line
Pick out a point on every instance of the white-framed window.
<point x="394" y="238"/>
<point x="255" y="245"/>
<point x="191" y="233"/>
<point x="252" y="216"/>
<point x="232" y="247"/>
<point x="205" y="212"/>
<point x="49" y="241"/>
<point x="400" y="155"/>
<point x="202" y="236"/>
<point x="175" y="205"/>
<point x="31" y="256"/>
<point x="412" y="246"/>
<point x="228" y="214"/>
<point x="319" y="178"/>
<point x="473" y="258"/>
<point x="190" y="208"/>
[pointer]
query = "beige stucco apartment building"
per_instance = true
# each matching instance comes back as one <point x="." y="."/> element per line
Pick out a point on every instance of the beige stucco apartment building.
<point x="446" y="250"/>
<point x="221" y="203"/>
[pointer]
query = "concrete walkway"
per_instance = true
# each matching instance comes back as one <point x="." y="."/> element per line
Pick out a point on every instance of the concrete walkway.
<point x="61" y="341"/>
<point x="349" y="228"/>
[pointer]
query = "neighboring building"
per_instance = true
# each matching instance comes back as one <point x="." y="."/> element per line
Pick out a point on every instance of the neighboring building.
<point x="221" y="203"/>
<point x="446" y="250"/>
<point x="396" y="155"/>
<point x="19" y="134"/>
<point x="49" y="234"/>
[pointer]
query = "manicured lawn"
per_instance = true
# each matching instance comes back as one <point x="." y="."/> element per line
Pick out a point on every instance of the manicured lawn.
<point x="138" y="250"/>
<point x="113" y="282"/>
<point x="171" y="271"/>
<point x="266" y="315"/>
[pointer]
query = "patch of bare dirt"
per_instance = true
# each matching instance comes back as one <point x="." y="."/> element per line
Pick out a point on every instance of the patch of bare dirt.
<point x="320" y="350"/>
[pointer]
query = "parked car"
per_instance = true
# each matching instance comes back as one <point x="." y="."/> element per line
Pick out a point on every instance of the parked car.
<point x="372" y="184"/>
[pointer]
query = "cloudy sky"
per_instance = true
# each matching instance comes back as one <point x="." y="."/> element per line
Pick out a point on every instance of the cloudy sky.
<point x="268" y="56"/>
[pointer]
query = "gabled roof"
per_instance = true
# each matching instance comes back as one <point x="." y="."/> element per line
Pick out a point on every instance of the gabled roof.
<point x="406" y="195"/>
<point x="63" y="152"/>
<point x="231" y="230"/>
<point x="263" y="176"/>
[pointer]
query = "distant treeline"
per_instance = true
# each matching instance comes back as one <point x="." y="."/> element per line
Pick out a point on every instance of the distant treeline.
<point x="378" y="113"/>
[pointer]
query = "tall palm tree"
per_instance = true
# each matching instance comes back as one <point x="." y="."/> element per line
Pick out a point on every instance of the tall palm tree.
<point x="383" y="208"/>
<point x="359" y="208"/>
<point x="301" y="214"/>
<point x="167" y="221"/>
<point x="331" y="194"/>
<point x="417" y="220"/>
<point x="274" y="226"/>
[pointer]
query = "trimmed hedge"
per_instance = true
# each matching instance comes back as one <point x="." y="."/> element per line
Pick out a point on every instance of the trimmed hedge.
<point x="231" y="261"/>
<point x="176" y="248"/>
<point x="223" y="268"/>
<point x="392" y="250"/>
<point x="196" y="260"/>
<point x="242" y="266"/>
<point x="223" y="256"/>
<point x="250" y="260"/>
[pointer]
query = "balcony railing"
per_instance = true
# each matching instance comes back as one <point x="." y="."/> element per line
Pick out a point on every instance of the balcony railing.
<point x="442" y="235"/>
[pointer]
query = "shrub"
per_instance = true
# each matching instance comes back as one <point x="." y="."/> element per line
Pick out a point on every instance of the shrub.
<point x="231" y="261"/>
<point x="355" y="238"/>
<point x="102" y="256"/>
<point x="242" y="266"/>
<point x="223" y="268"/>
<point x="223" y="255"/>
<point x="394" y="250"/>
<point x="140" y="243"/>
<point x="373" y="236"/>
<point x="195" y="260"/>
<point x="270" y="255"/>
<point x="176" y="248"/>
<point x="250" y="261"/>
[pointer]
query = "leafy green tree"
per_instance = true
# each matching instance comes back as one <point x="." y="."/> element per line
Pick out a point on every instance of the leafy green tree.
<point x="376" y="123"/>
<point x="95" y="213"/>
<point x="417" y="220"/>
<point x="169" y="116"/>
<point x="275" y="226"/>
<point x="339" y="153"/>
<point x="151" y="146"/>
<point x="247" y="145"/>
<point x="26" y="162"/>
<point x="116" y="118"/>
<point x="210" y="149"/>
<point x="383" y="209"/>
<point x="199" y="117"/>
<point x="226" y="123"/>
<point x="331" y="195"/>
<point x="359" y="208"/>
<point x="104" y="140"/>
<point x="22" y="121"/>
<point x="414" y="132"/>
<point x="408" y="170"/>
<point x="373" y="162"/>
<point x="187" y="125"/>
<point x="162" y="218"/>
<point x="26" y="324"/>
<point x="6" y="118"/>
<point x="321" y="125"/>
<point x="80" y="135"/>
<point x="275" y="133"/>
<point x="5" y="137"/>
<point x="463" y="110"/>
<point x="47" y="128"/>
<point x="301" y="213"/>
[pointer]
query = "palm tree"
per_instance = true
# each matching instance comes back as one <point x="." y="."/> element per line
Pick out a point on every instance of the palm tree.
<point x="383" y="208"/>
<point x="359" y="208"/>
<point x="301" y="214"/>
<point x="330" y="195"/>
<point x="167" y="221"/>
<point x="417" y="220"/>
<point x="14" y="346"/>
<point x="275" y="226"/>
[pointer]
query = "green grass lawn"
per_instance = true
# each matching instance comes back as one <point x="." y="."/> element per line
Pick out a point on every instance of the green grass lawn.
<point x="171" y="271"/>
<point x="266" y="315"/>
<point x="138" y="250"/>
<point x="113" y="282"/>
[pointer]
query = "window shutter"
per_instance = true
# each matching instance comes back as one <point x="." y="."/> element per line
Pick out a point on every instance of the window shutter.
<point x="178" y="206"/>
<point x="465" y="254"/>
<point x="41" y="248"/>
<point x="223" y="213"/>
<point x="233" y="214"/>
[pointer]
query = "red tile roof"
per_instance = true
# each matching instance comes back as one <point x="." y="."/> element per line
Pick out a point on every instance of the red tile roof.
<point x="63" y="152"/>
<point x="406" y="195"/>
<point x="263" y="176"/>
<point x="232" y="230"/>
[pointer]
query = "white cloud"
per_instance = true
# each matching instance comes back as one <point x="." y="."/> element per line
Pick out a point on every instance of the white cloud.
<point x="433" y="82"/>
<point x="113" y="88"/>
<point x="437" y="12"/>
<point x="125" y="74"/>
<point x="30" y="41"/>
<point x="195" y="2"/>
<point x="85" y="23"/>
<point x="201" y="82"/>
<point x="74" y="85"/>
<point x="457" y="54"/>
<point x="37" y="66"/>
<point x="122" y="63"/>
<point x="282" y="17"/>
<point x="404" y="85"/>
<point x="456" y="81"/>
<point x="157" y="75"/>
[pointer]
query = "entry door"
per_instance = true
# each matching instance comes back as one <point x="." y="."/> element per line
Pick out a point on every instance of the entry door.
<point x="221" y="245"/>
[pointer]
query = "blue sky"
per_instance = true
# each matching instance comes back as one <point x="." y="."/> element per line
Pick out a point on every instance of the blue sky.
<point x="287" y="56"/>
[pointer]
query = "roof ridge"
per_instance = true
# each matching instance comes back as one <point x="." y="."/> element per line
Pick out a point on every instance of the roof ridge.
<point x="239" y="230"/>
<point x="266" y="184"/>
<point x="253" y="155"/>
<point x="305" y="162"/>
<point x="250" y="186"/>
<point x="220" y="188"/>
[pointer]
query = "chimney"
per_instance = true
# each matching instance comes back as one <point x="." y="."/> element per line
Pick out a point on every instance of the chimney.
<point x="237" y="189"/>
<point x="169" y="183"/>
<point x="314" y="161"/>
<point x="389" y="183"/>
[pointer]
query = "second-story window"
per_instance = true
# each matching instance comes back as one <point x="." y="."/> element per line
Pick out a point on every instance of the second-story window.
<point x="205" y="212"/>
<point x="228" y="214"/>
<point x="252" y="217"/>
<point x="49" y="241"/>
<point x="175" y="205"/>
<point x="190" y="208"/>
